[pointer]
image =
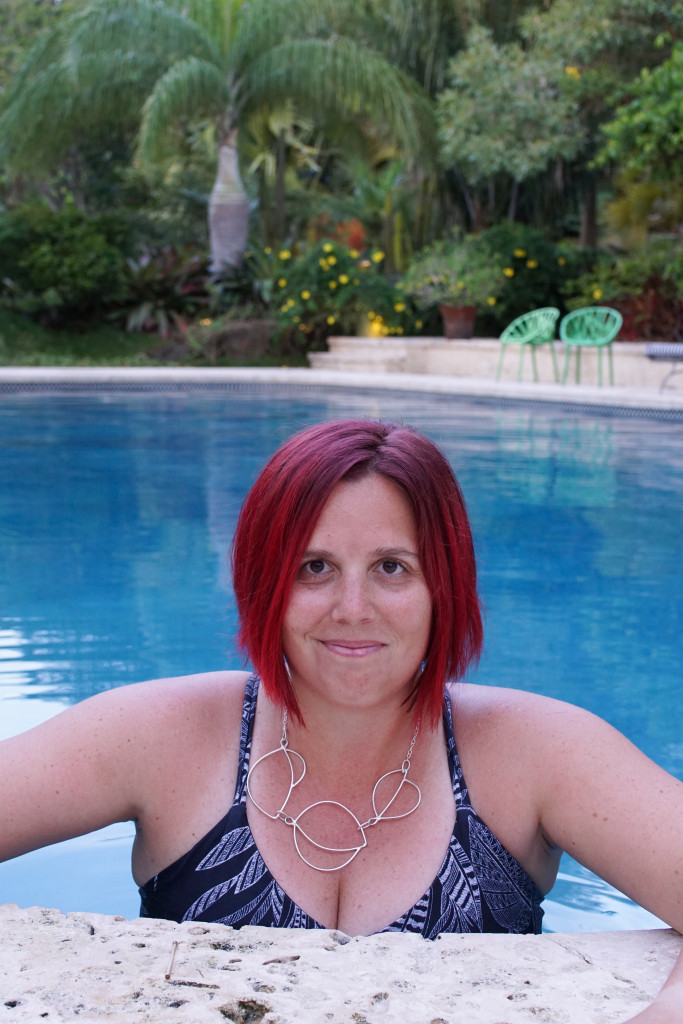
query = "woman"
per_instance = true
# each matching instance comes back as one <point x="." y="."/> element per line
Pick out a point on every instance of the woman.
<point x="347" y="752"/>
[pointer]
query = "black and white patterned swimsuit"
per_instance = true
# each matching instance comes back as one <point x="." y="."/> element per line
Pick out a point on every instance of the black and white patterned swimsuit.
<point x="480" y="887"/>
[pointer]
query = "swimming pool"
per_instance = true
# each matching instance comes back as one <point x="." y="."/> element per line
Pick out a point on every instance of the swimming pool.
<point x="116" y="512"/>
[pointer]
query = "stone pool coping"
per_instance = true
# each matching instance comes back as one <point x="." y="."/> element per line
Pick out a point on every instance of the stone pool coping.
<point x="20" y="378"/>
<point x="90" y="967"/>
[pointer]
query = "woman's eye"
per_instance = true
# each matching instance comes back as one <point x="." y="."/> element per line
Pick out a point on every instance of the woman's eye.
<point x="316" y="566"/>
<point x="391" y="568"/>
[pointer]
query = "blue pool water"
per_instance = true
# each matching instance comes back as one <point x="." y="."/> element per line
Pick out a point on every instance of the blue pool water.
<point x="116" y="513"/>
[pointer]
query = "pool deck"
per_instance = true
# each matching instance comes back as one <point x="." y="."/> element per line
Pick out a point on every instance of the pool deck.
<point x="91" y="967"/>
<point x="586" y="396"/>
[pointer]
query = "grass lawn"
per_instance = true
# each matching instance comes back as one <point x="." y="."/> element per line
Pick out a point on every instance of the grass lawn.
<point x="25" y="343"/>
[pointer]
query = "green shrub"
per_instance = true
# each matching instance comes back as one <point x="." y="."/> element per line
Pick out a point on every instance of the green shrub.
<point x="60" y="266"/>
<point x="454" y="272"/>
<point x="646" y="286"/>
<point x="164" y="290"/>
<point x="534" y="268"/>
<point x="335" y="289"/>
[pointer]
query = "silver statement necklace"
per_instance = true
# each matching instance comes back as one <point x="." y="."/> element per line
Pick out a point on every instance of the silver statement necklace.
<point x="295" y="823"/>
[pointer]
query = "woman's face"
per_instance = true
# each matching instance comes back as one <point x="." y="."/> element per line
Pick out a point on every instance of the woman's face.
<point x="359" y="617"/>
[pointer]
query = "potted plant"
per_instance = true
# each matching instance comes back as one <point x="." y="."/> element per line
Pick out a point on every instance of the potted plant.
<point x="460" y="276"/>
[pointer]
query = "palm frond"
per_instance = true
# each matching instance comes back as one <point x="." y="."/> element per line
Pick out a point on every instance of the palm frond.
<point x="217" y="18"/>
<point x="190" y="88"/>
<point x="135" y="26"/>
<point x="334" y="77"/>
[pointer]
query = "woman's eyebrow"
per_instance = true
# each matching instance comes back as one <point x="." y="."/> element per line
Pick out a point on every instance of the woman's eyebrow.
<point x="404" y="552"/>
<point x="383" y="552"/>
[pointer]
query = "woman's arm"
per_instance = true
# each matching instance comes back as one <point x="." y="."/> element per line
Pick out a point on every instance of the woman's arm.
<point x="547" y="776"/>
<point x="68" y="776"/>
<point x="620" y="815"/>
<point x="141" y="752"/>
<point x="614" y="810"/>
<point x="668" y="1006"/>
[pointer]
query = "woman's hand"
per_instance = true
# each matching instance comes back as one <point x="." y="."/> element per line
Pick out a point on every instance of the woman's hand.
<point x="666" y="1009"/>
<point x="668" y="1006"/>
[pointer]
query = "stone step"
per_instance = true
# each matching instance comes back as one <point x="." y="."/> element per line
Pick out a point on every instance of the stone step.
<point x="478" y="358"/>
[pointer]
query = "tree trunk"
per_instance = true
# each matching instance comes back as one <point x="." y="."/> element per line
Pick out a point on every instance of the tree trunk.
<point x="228" y="210"/>
<point x="588" y="238"/>
<point x="279" y="190"/>
<point x="514" y="199"/>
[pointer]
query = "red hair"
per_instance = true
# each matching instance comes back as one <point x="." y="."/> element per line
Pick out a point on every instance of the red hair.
<point x="280" y="513"/>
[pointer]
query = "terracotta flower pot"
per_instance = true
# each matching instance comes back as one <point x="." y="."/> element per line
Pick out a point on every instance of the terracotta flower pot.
<point x="458" y="321"/>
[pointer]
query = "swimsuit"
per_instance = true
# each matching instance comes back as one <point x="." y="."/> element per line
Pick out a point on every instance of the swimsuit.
<point x="480" y="887"/>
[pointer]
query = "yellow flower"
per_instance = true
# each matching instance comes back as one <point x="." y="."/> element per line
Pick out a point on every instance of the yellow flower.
<point x="323" y="264"/>
<point x="460" y="284"/>
<point x="333" y="285"/>
<point x="354" y="254"/>
<point x="418" y="323"/>
<point x="282" y="281"/>
<point x="331" y="319"/>
<point x="491" y="300"/>
<point x="206" y="322"/>
<point x="561" y="260"/>
<point x="520" y="253"/>
<point x="371" y="314"/>
<point x="328" y="247"/>
<point x="267" y="250"/>
<point x="532" y="264"/>
<point x="343" y="279"/>
<point x="597" y="293"/>
<point x="508" y="271"/>
<point x="572" y="71"/>
<point x="377" y="256"/>
<point x="305" y="295"/>
<point x="399" y="306"/>
<point x="285" y="254"/>
<point x="296" y="319"/>
<point x="331" y="260"/>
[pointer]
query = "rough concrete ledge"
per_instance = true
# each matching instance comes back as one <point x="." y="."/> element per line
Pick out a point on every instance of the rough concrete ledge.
<point x="89" y="967"/>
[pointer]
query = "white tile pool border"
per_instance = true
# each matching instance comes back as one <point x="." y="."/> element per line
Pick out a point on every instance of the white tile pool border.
<point x="618" y="400"/>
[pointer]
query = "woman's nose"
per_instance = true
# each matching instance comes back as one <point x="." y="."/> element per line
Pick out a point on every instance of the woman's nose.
<point x="352" y="599"/>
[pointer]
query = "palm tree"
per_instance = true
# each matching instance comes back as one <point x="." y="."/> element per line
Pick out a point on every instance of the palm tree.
<point x="164" y="64"/>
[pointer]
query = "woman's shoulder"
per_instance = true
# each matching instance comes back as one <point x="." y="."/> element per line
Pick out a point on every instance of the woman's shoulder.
<point x="489" y="706"/>
<point x="522" y="731"/>
<point x="194" y="707"/>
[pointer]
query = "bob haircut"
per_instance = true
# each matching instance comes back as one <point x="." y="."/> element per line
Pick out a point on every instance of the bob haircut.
<point x="280" y="513"/>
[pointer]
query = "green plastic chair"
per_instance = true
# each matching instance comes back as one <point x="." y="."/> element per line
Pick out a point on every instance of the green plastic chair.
<point x="591" y="327"/>
<point x="530" y="330"/>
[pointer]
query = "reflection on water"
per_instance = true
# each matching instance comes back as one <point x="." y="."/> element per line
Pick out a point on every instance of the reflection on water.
<point x="116" y="513"/>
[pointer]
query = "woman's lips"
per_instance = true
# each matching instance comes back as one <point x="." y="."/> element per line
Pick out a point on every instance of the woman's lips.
<point x="353" y="648"/>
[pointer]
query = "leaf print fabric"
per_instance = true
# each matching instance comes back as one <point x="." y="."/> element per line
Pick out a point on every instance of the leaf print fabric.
<point x="480" y="887"/>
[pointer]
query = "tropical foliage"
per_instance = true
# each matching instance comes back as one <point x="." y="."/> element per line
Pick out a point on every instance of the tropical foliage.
<point x="493" y="152"/>
<point x="333" y="289"/>
<point x="455" y="272"/>
<point x="161" y="67"/>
